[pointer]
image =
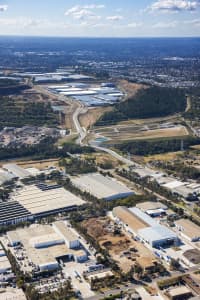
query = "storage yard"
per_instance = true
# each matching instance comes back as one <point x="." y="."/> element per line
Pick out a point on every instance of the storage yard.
<point x="102" y="187"/>
<point x="122" y="248"/>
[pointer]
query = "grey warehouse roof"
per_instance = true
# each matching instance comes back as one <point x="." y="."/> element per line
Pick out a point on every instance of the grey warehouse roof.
<point x="156" y="233"/>
<point x="144" y="217"/>
<point x="102" y="187"/>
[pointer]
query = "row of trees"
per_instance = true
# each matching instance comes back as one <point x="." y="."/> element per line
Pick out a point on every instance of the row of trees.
<point x="157" y="146"/>
<point x="44" y="150"/>
<point x="75" y="166"/>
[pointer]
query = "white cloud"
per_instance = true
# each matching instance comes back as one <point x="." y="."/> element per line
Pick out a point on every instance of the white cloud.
<point x="165" y="25"/>
<point x="93" y="6"/>
<point x="195" y="22"/>
<point x="115" y="18"/>
<point x="174" y="5"/>
<point x="3" y="7"/>
<point x="84" y="11"/>
<point x="134" y="25"/>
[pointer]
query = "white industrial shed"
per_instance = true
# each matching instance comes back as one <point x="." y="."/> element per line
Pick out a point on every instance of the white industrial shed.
<point x="102" y="187"/>
<point x="17" y="171"/>
<point x="69" y="237"/>
<point x="158" y="236"/>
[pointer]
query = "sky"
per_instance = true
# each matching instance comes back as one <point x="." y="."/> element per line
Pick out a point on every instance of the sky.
<point x="100" y="18"/>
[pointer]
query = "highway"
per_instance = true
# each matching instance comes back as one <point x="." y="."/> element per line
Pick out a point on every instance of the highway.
<point x="82" y="132"/>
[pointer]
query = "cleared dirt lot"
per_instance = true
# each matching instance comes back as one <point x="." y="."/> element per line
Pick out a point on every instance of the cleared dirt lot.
<point x="39" y="164"/>
<point x="131" y="132"/>
<point x="89" y="118"/>
<point x="123" y="249"/>
<point x="129" y="88"/>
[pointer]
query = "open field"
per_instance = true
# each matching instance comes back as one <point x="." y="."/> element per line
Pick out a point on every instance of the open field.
<point x="39" y="164"/>
<point x="104" y="159"/>
<point x="120" y="133"/>
<point x="170" y="156"/>
<point x="121" y="248"/>
<point x="172" y="119"/>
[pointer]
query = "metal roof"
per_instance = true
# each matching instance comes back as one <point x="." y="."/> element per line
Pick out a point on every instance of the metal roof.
<point x="102" y="187"/>
<point x="17" y="170"/>
<point x="156" y="233"/>
<point x="64" y="231"/>
<point x="9" y="211"/>
<point x="37" y="201"/>
<point x="144" y="217"/>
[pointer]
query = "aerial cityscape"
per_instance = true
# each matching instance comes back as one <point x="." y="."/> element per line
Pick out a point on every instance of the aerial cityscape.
<point x="100" y="150"/>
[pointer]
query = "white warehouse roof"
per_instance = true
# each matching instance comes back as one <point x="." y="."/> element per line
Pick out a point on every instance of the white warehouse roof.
<point x="17" y="170"/>
<point x="144" y="217"/>
<point x="40" y="202"/>
<point x="64" y="231"/>
<point x="156" y="233"/>
<point x="102" y="187"/>
<point x="174" y="184"/>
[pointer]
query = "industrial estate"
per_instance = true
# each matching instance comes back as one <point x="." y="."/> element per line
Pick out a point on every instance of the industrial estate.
<point x="99" y="171"/>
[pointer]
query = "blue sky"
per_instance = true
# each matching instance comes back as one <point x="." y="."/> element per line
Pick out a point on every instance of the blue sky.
<point x="100" y="18"/>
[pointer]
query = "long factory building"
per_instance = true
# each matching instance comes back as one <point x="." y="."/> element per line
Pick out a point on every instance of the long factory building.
<point x="36" y="201"/>
<point x="102" y="187"/>
<point x="144" y="227"/>
<point x="46" y="245"/>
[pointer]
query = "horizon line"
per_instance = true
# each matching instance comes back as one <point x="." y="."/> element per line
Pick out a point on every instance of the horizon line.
<point x="99" y="37"/>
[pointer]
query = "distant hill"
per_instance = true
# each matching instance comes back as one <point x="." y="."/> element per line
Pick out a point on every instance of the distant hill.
<point x="148" y="103"/>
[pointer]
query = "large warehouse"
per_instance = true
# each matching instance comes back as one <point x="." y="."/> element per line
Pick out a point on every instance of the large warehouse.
<point x="41" y="201"/>
<point x="102" y="187"/>
<point x="144" y="227"/>
<point x="45" y="244"/>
